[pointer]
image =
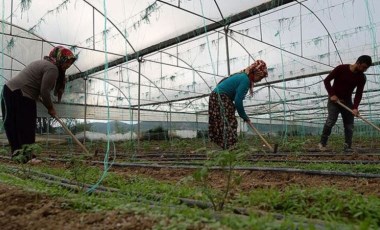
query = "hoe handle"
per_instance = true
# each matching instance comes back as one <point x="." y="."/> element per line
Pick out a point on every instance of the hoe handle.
<point x="71" y="134"/>
<point x="365" y="120"/>
<point x="262" y="138"/>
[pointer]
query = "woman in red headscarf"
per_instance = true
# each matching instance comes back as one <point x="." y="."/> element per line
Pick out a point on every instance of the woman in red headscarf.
<point x="21" y="92"/>
<point x="227" y="97"/>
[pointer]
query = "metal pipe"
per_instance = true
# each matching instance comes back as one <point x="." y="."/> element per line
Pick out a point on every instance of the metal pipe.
<point x="227" y="51"/>
<point x="85" y="109"/>
<point x="138" y="105"/>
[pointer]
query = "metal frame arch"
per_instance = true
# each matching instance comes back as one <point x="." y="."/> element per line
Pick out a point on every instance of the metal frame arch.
<point x="163" y="94"/>
<point x="11" y="57"/>
<point x="187" y="65"/>
<point x="328" y="32"/>
<point x="113" y="24"/>
<point x="41" y="38"/>
<point x="108" y="82"/>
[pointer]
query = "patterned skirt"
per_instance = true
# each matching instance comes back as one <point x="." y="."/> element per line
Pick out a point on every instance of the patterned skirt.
<point x="222" y="125"/>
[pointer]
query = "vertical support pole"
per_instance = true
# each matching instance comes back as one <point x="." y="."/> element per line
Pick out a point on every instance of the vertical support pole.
<point x="93" y="27"/>
<point x="42" y="49"/>
<point x="284" y="89"/>
<point x="139" y="59"/>
<point x="167" y="125"/>
<point x="161" y="68"/>
<point x="301" y="30"/>
<point x="170" y="121"/>
<point x="193" y="83"/>
<point x="11" y="17"/>
<point x="227" y="51"/>
<point x="177" y="54"/>
<point x="196" y="122"/>
<point x="217" y="56"/>
<point x="11" y="67"/>
<point x="270" y="111"/>
<point x="85" y="108"/>
<point x="261" y="30"/>
<point x="328" y="50"/>
<point x="133" y="123"/>
<point x="48" y="132"/>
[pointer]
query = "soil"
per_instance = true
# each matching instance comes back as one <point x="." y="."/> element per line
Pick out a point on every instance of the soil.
<point x="21" y="209"/>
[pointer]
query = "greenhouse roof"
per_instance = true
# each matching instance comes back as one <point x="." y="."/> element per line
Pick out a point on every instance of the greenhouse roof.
<point x="165" y="57"/>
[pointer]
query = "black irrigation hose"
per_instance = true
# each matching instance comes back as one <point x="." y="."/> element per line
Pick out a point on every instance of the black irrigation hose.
<point x="352" y="162"/>
<point x="312" y="172"/>
<point x="77" y="186"/>
<point x="253" y="158"/>
<point x="175" y="159"/>
<point x="269" y="169"/>
<point x="187" y="161"/>
<point x="64" y="180"/>
<point x="315" y="154"/>
<point x="310" y="153"/>
<point x="288" y="170"/>
<point x="185" y="156"/>
<point x="68" y="186"/>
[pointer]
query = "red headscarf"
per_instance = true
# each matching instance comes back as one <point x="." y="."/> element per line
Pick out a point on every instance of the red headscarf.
<point x="258" y="66"/>
<point x="59" y="55"/>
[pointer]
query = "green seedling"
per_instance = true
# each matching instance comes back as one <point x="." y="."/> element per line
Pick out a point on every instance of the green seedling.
<point x="26" y="153"/>
<point x="227" y="160"/>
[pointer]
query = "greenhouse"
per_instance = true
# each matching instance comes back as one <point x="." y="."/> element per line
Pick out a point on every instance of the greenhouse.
<point x="129" y="146"/>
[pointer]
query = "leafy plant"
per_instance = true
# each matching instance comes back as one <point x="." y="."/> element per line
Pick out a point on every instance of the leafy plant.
<point x="129" y="145"/>
<point x="179" y="144"/>
<point x="323" y="203"/>
<point x="77" y="169"/>
<point x="27" y="152"/>
<point x="227" y="160"/>
<point x="294" y="145"/>
<point x="3" y="152"/>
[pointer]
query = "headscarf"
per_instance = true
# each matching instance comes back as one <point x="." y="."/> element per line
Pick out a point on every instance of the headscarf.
<point x="258" y="66"/>
<point x="59" y="55"/>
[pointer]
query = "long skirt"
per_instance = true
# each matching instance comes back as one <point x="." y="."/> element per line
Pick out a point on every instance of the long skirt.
<point x="19" y="115"/>
<point x="222" y="125"/>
